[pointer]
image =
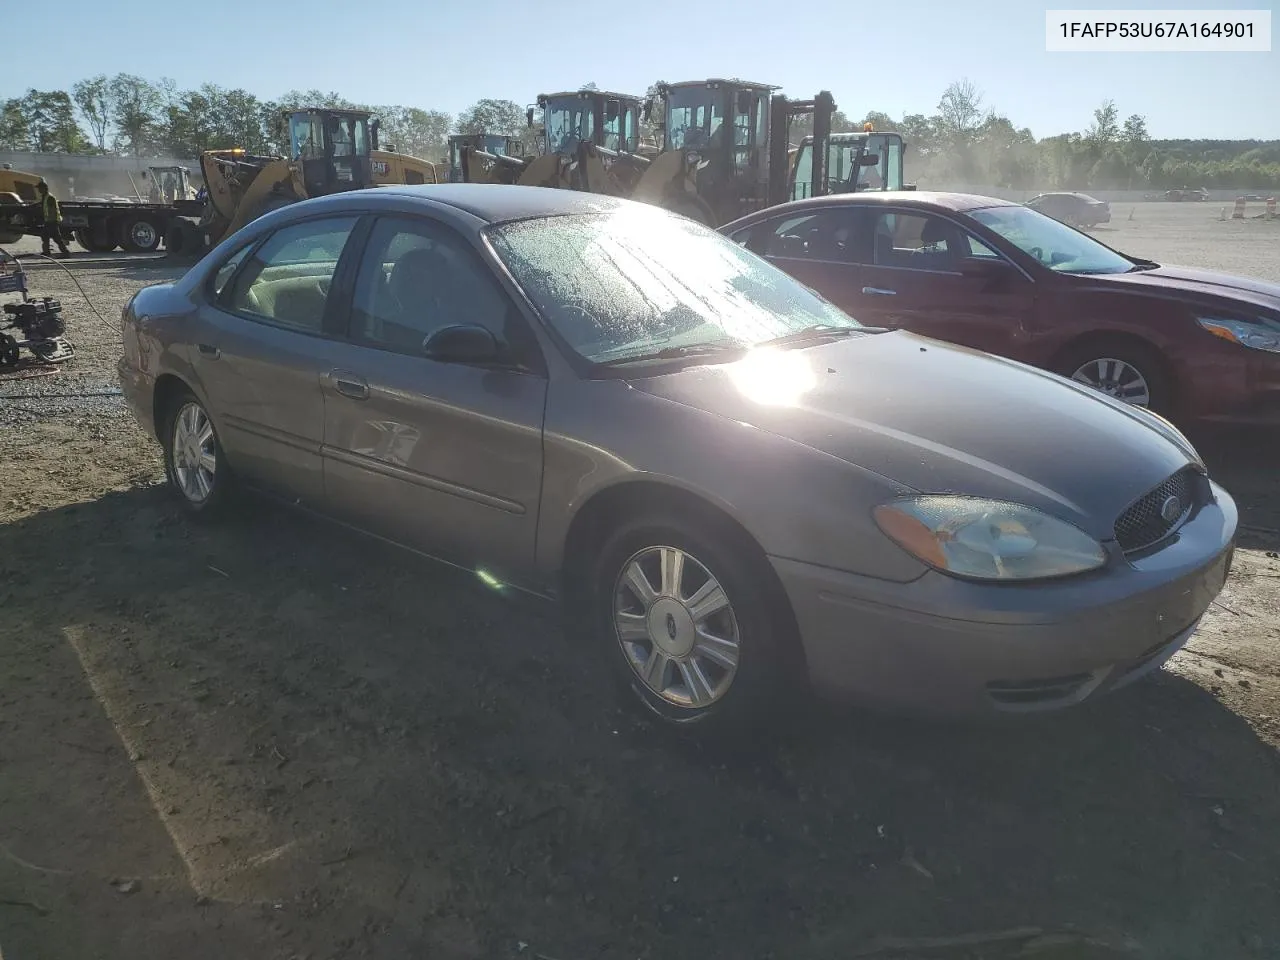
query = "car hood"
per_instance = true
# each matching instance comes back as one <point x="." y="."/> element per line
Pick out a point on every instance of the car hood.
<point x="942" y="419"/>
<point x="1206" y="283"/>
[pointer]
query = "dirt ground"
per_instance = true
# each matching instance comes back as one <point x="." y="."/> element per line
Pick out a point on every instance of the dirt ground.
<point x="267" y="738"/>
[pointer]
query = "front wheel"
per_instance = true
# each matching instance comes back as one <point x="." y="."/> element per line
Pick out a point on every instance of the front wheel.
<point x="1127" y="372"/>
<point x="688" y="621"/>
<point x="193" y="461"/>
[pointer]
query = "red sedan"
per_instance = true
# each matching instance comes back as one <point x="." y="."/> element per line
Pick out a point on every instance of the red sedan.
<point x="1003" y="278"/>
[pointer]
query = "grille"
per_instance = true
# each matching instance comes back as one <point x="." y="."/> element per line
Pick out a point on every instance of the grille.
<point x="1142" y="525"/>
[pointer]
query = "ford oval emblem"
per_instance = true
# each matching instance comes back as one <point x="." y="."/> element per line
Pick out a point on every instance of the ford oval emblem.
<point x="1171" y="510"/>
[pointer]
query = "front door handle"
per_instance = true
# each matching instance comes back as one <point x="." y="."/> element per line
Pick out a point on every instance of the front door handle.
<point x="880" y="291"/>
<point x="210" y="351"/>
<point x="349" y="385"/>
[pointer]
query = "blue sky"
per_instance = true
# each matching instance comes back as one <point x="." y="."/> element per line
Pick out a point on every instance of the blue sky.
<point x="445" y="54"/>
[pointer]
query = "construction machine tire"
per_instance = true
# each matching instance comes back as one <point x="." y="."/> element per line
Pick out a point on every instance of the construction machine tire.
<point x="183" y="239"/>
<point x="692" y="207"/>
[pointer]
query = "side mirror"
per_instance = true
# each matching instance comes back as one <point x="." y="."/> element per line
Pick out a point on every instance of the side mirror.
<point x="528" y="117"/>
<point x="985" y="268"/>
<point x="869" y="160"/>
<point x="647" y="110"/>
<point x="463" y="343"/>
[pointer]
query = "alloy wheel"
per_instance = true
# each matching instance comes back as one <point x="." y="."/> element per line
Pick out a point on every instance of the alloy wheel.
<point x="1115" y="378"/>
<point x="676" y="627"/>
<point x="195" y="453"/>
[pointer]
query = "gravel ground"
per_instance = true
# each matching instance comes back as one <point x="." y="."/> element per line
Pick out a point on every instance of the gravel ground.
<point x="268" y="738"/>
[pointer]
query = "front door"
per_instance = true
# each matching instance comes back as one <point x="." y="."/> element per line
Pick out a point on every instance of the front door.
<point x="443" y="457"/>
<point x="912" y="280"/>
<point x="260" y="351"/>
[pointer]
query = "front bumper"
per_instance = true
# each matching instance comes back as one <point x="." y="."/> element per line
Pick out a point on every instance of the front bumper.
<point x="943" y="645"/>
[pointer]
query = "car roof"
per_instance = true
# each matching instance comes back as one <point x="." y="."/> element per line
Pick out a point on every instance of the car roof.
<point x="923" y="199"/>
<point x="493" y="202"/>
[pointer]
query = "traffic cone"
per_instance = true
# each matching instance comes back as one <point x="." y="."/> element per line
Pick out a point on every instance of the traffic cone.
<point x="1238" y="212"/>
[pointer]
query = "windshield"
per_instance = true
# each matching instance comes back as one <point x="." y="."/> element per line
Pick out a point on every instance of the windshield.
<point x="495" y="144"/>
<point x="568" y="120"/>
<point x="629" y="284"/>
<point x="693" y="115"/>
<point x="1052" y="243"/>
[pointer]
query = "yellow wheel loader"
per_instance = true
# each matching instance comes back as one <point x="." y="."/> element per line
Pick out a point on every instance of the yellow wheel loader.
<point x="726" y="150"/>
<point x="391" y="167"/>
<point x="592" y="142"/>
<point x="856" y="162"/>
<point x="486" y="158"/>
<point x="330" y="151"/>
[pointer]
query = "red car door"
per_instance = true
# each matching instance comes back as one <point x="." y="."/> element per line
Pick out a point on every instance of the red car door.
<point x="919" y="275"/>
<point x="820" y="249"/>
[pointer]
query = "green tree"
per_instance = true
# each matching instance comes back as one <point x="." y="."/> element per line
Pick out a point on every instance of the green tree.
<point x="504" y="118"/>
<point x="1106" y="124"/>
<point x="13" y="126"/>
<point x="134" y="105"/>
<point x="51" y="122"/>
<point x="93" y="99"/>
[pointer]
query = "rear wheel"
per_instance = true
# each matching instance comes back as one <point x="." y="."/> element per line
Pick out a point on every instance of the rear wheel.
<point x="193" y="461"/>
<point x="96" y="238"/>
<point x="140" y="235"/>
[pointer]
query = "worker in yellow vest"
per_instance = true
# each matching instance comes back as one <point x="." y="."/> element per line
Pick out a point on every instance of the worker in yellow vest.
<point x="51" y="221"/>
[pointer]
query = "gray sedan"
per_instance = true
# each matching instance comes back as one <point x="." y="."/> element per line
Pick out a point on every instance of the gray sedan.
<point x="737" y="487"/>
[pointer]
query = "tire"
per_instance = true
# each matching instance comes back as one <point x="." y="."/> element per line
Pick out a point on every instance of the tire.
<point x="96" y="240"/>
<point x="1081" y="364"/>
<point x="184" y="413"/>
<point x="140" y="234"/>
<point x="183" y="239"/>
<point x="736" y="698"/>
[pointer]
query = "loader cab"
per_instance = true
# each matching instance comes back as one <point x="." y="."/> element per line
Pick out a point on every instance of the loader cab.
<point x="856" y="162"/>
<point x="726" y="122"/>
<point x="496" y="144"/>
<point x="608" y="120"/>
<point x="334" y="148"/>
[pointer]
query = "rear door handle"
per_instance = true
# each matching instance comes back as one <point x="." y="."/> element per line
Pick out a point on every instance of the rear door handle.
<point x="880" y="291"/>
<point x="349" y="385"/>
<point x="210" y="351"/>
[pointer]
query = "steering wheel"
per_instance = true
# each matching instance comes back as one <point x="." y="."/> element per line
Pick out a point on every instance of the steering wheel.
<point x="1037" y="253"/>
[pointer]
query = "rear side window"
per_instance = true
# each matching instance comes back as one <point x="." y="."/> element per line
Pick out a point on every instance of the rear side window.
<point x="828" y="236"/>
<point x="286" y="281"/>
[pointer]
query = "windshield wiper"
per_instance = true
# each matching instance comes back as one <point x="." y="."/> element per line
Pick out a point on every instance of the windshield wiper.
<point x="819" y="331"/>
<point x="1142" y="265"/>
<point x="677" y="353"/>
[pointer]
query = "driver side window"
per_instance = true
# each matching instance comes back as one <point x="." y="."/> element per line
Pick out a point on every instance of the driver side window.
<point x="418" y="276"/>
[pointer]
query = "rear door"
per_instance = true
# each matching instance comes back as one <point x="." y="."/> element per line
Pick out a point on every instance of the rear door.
<point x="268" y="333"/>
<point x="443" y="457"/>
<point x="820" y="249"/>
<point x="912" y="280"/>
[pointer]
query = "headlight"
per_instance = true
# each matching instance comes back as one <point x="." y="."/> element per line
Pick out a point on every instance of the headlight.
<point x="1259" y="334"/>
<point x="988" y="539"/>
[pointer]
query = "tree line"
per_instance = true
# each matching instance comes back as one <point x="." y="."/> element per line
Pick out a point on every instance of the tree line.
<point x="962" y="142"/>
